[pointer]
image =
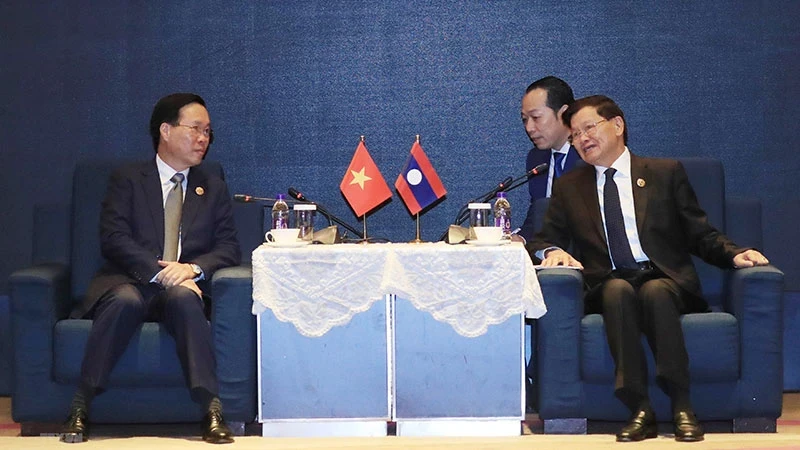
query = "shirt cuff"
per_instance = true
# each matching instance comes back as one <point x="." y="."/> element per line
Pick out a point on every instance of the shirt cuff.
<point x="540" y="253"/>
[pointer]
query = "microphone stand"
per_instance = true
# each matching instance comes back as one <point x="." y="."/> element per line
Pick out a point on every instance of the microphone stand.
<point x="505" y="186"/>
<point x="463" y="213"/>
<point x="339" y="221"/>
<point x="268" y="202"/>
<point x="299" y="197"/>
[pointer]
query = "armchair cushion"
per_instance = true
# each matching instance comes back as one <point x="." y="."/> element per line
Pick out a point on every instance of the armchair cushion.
<point x="713" y="353"/>
<point x="149" y="360"/>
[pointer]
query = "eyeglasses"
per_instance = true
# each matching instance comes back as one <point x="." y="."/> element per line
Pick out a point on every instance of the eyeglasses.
<point x="196" y="130"/>
<point x="589" y="130"/>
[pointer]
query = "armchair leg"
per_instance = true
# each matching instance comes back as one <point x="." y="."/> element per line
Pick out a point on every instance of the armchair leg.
<point x="39" y="429"/>
<point x="565" y="426"/>
<point x="237" y="428"/>
<point x="754" y="425"/>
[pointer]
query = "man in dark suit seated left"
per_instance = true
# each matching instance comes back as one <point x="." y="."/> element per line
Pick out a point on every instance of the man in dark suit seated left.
<point x="165" y="228"/>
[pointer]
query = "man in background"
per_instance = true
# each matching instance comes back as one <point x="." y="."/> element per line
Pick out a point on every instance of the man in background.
<point x="543" y="104"/>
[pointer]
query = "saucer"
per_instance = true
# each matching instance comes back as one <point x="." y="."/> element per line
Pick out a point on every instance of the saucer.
<point x="290" y="244"/>
<point x="488" y="243"/>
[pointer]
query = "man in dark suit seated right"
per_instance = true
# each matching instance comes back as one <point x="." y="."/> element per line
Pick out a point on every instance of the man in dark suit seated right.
<point x="635" y="222"/>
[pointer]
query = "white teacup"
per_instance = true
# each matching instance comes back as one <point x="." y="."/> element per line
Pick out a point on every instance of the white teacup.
<point x="282" y="235"/>
<point x="488" y="234"/>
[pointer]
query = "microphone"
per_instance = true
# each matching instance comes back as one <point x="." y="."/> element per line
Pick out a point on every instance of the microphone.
<point x="297" y="195"/>
<point x="538" y="170"/>
<point x="506" y="185"/>
<point x="506" y="182"/>
<point x="463" y="213"/>
<point x="244" y="198"/>
<point x="519" y="181"/>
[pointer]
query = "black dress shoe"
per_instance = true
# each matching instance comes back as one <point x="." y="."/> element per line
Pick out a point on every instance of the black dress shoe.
<point x="687" y="428"/>
<point x="76" y="427"/>
<point x="641" y="426"/>
<point x="215" y="430"/>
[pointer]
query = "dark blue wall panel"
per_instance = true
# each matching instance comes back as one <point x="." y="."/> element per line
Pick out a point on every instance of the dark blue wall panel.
<point x="292" y="85"/>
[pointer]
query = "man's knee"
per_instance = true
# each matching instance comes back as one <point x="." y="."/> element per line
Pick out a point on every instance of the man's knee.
<point x="617" y="291"/>
<point x="124" y="299"/>
<point x="657" y="294"/>
<point x="182" y="300"/>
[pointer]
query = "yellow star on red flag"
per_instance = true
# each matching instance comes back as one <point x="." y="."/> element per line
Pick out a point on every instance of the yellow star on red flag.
<point x="359" y="178"/>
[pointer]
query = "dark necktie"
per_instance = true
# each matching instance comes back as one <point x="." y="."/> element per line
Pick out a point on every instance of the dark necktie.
<point x="558" y="159"/>
<point x="172" y="218"/>
<point x="615" y="225"/>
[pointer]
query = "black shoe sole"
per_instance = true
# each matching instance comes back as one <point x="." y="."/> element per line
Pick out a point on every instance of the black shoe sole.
<point x="210" y="440"/>
<point x="689" y="438"/>
<point x="649" y="435"/>
<point x="72" y="438"/>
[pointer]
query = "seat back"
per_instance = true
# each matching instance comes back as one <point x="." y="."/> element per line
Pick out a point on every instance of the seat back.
<point x="708" y="180"/>
<point x="89" y="184"/>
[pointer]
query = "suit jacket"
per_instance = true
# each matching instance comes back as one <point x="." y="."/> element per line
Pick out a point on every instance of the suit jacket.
<point x="132" y="228"/>
<point x="671" y="224"/>
<point x="537" y="186"/>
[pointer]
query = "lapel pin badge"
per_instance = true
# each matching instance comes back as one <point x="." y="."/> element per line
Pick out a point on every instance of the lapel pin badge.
<point x="200" y="191"/>
<point x="640" y="182"/>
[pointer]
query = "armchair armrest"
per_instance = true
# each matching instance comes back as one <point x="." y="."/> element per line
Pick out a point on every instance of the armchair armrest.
<point x="233" y="328"/>
<point x="558" y="343"/>
<point x="40" y="296"/>
<point x="756" y="299"/>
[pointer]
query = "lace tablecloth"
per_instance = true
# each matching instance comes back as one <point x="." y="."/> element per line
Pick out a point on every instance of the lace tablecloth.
<point x="318" y="287"/>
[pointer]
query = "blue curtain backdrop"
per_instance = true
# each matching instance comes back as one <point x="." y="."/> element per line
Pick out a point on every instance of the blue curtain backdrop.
<point x="292" y="85"/>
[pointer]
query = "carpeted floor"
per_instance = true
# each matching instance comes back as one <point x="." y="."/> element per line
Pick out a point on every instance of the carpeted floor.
<point x="111" y="437"/>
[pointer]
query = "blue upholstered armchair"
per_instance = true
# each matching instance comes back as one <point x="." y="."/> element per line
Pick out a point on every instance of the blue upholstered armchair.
<point x="735" y="351"/>
<point x="148" y="384"/>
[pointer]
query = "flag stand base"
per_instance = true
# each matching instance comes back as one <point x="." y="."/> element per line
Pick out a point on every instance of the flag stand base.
<point x="417" y="239"/>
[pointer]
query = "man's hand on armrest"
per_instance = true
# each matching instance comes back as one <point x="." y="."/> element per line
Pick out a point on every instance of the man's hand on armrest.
<point x="749" y="258"/>
<point x="556" y="257"/>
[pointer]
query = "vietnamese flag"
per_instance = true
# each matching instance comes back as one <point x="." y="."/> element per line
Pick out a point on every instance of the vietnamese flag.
<point x="363" y="185"/>
<point x="418" y="184"/>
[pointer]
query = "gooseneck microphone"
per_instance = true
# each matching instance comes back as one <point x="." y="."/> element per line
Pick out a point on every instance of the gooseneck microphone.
<point x="244" y="198"/>
<point x="297" y="195"/>
<point x="522" y="179"/>
<point x="508" y="184"/>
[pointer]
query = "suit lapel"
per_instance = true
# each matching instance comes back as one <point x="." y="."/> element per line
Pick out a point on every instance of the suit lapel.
<point x="572" y="158"/>
<point x="151" y="184"/>
<point x="639" y="176"/>
<point x="195" y="192"/>
<point x="538" y="184"/>
<point x="587" y="191"/>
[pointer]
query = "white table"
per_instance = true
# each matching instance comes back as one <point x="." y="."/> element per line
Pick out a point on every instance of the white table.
<point x="316" y="303"/>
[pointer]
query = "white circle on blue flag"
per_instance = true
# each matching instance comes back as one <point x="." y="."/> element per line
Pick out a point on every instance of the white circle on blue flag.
<point x="414" y="177"/>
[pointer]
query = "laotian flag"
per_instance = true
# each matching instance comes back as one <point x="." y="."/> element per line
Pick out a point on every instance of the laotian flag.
<point x="418" y="184"/>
